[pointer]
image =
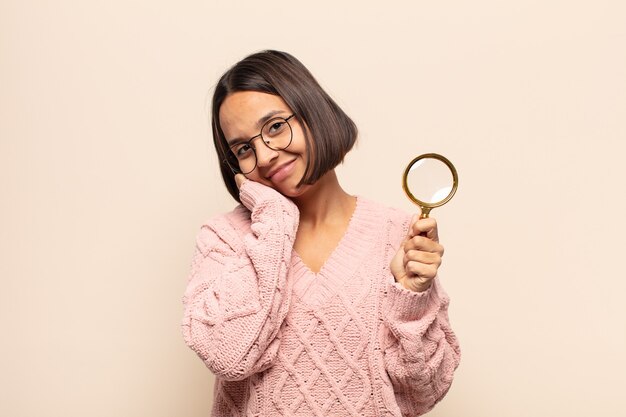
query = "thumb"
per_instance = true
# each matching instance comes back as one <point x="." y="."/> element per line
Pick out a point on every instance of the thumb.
<point x="416" y="217"/>
<point x="240" y="179"/>
<point x="409" y="233"/>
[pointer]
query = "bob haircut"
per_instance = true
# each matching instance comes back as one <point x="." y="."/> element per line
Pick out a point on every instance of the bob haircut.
<point x="328" y="131"/>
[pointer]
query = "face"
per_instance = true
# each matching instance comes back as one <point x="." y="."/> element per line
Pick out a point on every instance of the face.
<point x="242" y="115"/>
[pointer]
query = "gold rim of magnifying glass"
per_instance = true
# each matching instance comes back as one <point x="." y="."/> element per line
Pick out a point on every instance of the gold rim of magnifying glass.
<point x="426" y="207"/>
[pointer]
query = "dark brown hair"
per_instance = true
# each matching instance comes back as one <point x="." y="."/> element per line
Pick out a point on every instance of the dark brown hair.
<point x="332" y="132"/>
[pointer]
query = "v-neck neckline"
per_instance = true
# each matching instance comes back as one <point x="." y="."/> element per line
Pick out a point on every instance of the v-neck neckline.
<point x="338" y="248"/>
<point x="316" y="288"/>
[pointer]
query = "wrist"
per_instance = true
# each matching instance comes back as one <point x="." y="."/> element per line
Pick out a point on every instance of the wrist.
<point x="414" y="284"/>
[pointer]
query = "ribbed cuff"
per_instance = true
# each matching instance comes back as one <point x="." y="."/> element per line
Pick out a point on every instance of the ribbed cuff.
<point x="252" y="193"/>
<point x="406" y="305"/>
<point x="259" y="198"/>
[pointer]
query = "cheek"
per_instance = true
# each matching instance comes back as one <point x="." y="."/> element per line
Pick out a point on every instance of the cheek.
<point x="311" y="150"/>
<point x="300" y="144"/>
<point x="254" y="176"/>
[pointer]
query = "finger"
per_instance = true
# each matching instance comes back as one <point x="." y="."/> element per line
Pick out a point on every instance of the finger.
<point x="417" y="269"/>
<point x="240" y="179"/>
<point x="409" y="233"/>
<point x="418" y="213"/>
<point x="426" y="227"/>
<point x="422" y="243"/>
<point x="428" y="258"/>
<point x="417" y="284"/>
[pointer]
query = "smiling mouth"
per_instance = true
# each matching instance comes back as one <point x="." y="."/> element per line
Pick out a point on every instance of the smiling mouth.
<point x="281" y="170"/>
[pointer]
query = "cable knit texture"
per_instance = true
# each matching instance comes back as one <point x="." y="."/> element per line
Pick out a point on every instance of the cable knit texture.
<point x="284" y="341"/>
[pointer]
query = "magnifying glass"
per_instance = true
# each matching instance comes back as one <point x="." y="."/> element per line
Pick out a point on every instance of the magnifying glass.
<point x="430" y="180"/>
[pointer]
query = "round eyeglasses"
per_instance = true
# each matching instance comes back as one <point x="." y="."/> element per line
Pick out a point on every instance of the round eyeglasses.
<point x="276" y="134"/>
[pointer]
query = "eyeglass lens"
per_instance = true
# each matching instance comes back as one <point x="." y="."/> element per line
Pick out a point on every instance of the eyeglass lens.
<point x="276" y="134"/>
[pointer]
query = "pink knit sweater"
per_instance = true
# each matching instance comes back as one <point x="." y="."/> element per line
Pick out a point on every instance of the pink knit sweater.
<point x="284" y="341"/>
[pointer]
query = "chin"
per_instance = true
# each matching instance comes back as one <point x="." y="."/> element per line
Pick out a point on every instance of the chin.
<point x="289" y="186"/>
<point x="291" y="192"/>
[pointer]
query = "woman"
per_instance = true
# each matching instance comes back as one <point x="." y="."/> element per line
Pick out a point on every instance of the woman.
<point x="306" y="300"/>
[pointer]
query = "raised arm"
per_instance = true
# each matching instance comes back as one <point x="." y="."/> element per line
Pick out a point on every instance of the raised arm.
<point x="421" y="350"/>
<point x="237" y="297"/>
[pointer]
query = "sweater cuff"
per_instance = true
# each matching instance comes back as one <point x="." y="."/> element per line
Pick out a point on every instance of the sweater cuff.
<point x="252" y="193"/>
<point x="406" y="305"/>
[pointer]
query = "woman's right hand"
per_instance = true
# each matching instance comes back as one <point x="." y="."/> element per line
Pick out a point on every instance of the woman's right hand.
<point x="239" y="179"/>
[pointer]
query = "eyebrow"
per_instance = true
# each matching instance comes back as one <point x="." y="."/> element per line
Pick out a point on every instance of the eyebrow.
<point x="259" y="123"/>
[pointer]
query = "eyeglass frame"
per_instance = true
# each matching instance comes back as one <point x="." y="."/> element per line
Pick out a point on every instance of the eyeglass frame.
<point x="249" y="142"/>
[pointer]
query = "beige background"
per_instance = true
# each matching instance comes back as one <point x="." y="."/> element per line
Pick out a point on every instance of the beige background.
<point x="107" y="172"/>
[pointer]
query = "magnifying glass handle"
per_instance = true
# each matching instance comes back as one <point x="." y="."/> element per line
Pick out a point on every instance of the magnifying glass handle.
<point x="424" y="215"/>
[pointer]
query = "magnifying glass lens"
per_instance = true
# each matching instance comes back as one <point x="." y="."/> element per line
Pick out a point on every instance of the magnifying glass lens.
<point x="430" y="180"/>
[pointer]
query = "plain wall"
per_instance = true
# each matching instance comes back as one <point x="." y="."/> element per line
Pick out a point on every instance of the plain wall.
<point x="107" y="171"/>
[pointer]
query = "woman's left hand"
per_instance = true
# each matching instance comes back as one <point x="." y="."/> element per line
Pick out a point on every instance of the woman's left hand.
<point x="416" y="263"/>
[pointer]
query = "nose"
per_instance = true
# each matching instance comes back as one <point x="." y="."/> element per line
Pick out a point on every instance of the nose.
<point x="264" y="154"/>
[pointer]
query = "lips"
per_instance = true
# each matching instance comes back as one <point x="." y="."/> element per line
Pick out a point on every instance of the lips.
<point x="282" y="171"/>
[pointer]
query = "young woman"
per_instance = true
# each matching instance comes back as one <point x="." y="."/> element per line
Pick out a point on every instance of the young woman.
<point x="306" y="300"/>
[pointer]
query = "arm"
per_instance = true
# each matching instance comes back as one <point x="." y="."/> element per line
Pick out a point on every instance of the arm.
<point x="236" y="297"/>
<point x="421" y="350"/>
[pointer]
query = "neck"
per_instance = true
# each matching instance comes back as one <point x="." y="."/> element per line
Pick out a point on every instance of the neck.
<point x="325" y="202"/>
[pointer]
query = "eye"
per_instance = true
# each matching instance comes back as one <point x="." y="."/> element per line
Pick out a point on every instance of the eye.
<point x="242" y="150"/>
<point x="275" y="127"/>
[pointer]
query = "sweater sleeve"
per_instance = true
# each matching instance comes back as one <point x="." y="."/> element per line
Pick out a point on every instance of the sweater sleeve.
<point x="421" y="352"/>
<point x="236" y="297"/>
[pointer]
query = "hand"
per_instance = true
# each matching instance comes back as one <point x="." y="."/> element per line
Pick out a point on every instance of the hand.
<point x="416" y="263"/>
<point x="239" y="179"/>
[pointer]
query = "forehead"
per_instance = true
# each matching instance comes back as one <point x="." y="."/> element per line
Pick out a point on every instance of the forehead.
<point x="241" y="111"/>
